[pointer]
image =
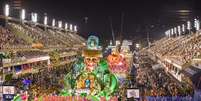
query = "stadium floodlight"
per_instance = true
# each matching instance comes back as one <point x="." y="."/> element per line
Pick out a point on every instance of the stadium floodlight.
<point x="183" y="28"/>
<point x="175" y="30"/>
<point x="196" y="24"/>
<point x="71" y="27"/>
<point x="23" y="14"/>
<point x="53" y="22"/>
<point x="172" y="31"/>
<point x="188" y="25"/>
<point x="60" y="24"/>
<point x="167" y="33"/>
<point x="179" y="30"/>
<point x="75" y="28"/>
<point x="45" y="20"/>
<point x="66" y="26"/>
<point x="7" y="9"/>
<point x="34" y="17"/>
<point x="137" y="45"/>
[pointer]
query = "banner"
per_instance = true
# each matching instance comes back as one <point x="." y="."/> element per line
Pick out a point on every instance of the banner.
<point x="135" y="93"/>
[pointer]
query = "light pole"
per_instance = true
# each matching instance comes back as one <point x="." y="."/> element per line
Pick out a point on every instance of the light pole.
<point x="197" y="24"/>
<point x="183" y="28"/>
<point x="6" y="13"/>
<point x="53" y="23"/>
<point x="175" y="31"/>
<point x="71" y="27"/>
<point x="189" y="26"/>
<point x="75" y="29"/>
<point x="172" y="31"/>
<point x="45" y="22"/>
<point x="34" y="18"/>
<point x="179" y="30"/>
<point x="66" y="27"/>
<point x="60" y="24"/>
<point x="23" y="16"/>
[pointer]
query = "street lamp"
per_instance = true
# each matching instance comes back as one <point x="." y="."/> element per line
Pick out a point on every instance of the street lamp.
<point x="7" y="8"/>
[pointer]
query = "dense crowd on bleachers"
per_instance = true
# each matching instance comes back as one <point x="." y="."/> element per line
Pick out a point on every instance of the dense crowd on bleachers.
<point x="181" y="48"/>
<point x="8" y="38"/>
<point x="47" y="37"/>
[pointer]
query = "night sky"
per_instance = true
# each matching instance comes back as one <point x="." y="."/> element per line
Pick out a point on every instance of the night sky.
<point x="139" y="16"/>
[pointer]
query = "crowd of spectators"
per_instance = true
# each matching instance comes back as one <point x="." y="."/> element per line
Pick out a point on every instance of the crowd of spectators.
<point x="182" y="48"/>
<point x="157" y="84"/>
<point x="8" y="38"/>
<point x="15" y="35"/>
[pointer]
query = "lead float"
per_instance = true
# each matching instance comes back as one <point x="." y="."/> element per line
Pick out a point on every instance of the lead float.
<point x="90" y="76"/>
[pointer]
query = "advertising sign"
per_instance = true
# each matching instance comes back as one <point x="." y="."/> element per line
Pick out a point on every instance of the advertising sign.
<point x="8" y="92"/>
<point x="135" y="93"/>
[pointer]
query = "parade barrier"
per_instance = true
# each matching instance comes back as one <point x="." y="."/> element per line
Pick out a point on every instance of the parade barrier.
<point x="72" y="98"/>
<point x="170" y="98"/>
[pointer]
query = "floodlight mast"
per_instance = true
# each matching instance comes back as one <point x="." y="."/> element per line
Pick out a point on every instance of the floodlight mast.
<point x="23" y="15"/>
<point x="6" y="13"/>
<point x="45" y="22"/>
<point x="66" y="27"/>
<point x="189" y="26"/>
<point x="71" y="27"/>
<point x="75" y="28"/>
<point x="53" y="23"/>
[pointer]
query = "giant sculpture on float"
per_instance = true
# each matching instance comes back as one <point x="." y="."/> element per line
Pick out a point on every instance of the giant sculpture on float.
<point x="90" y="76"/>
<point x="119" y="66"/>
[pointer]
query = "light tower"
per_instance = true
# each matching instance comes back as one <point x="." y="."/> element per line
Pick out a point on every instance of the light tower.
<point x="34" y="18"/>
<point x="197" y="24"/>
<point x="6" y="13"/>
<point x="175" y="31"/>
<point x="71" y="27"/>
<point x="53" y="23"/>
<point x="45" y="22"/>
<point x="172" y="31"/>
<point x="179" y="30"/>
<point x="23" y="15"/>
<point x="189" y="26"/>
<point x="66" y="27"/>
<point x="183" y="28"/>
<point x="60" y="24"/>
<point x="75" y="28"/>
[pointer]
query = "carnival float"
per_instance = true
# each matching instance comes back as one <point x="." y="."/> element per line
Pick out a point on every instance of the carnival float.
<point x="91" y="76"/>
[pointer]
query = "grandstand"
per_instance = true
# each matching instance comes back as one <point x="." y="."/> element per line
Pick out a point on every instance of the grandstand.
<point x="178" y="55"/>
<point x="30" y="44"/>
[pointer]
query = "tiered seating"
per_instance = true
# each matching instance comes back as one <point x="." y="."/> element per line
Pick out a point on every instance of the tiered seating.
<point x="9" y="39"/>
<point x="182" y="49"/>
<point x="49" y="38"/>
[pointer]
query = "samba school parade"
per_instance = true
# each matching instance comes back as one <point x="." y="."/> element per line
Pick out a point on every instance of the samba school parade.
<point x="93" y="77"/>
